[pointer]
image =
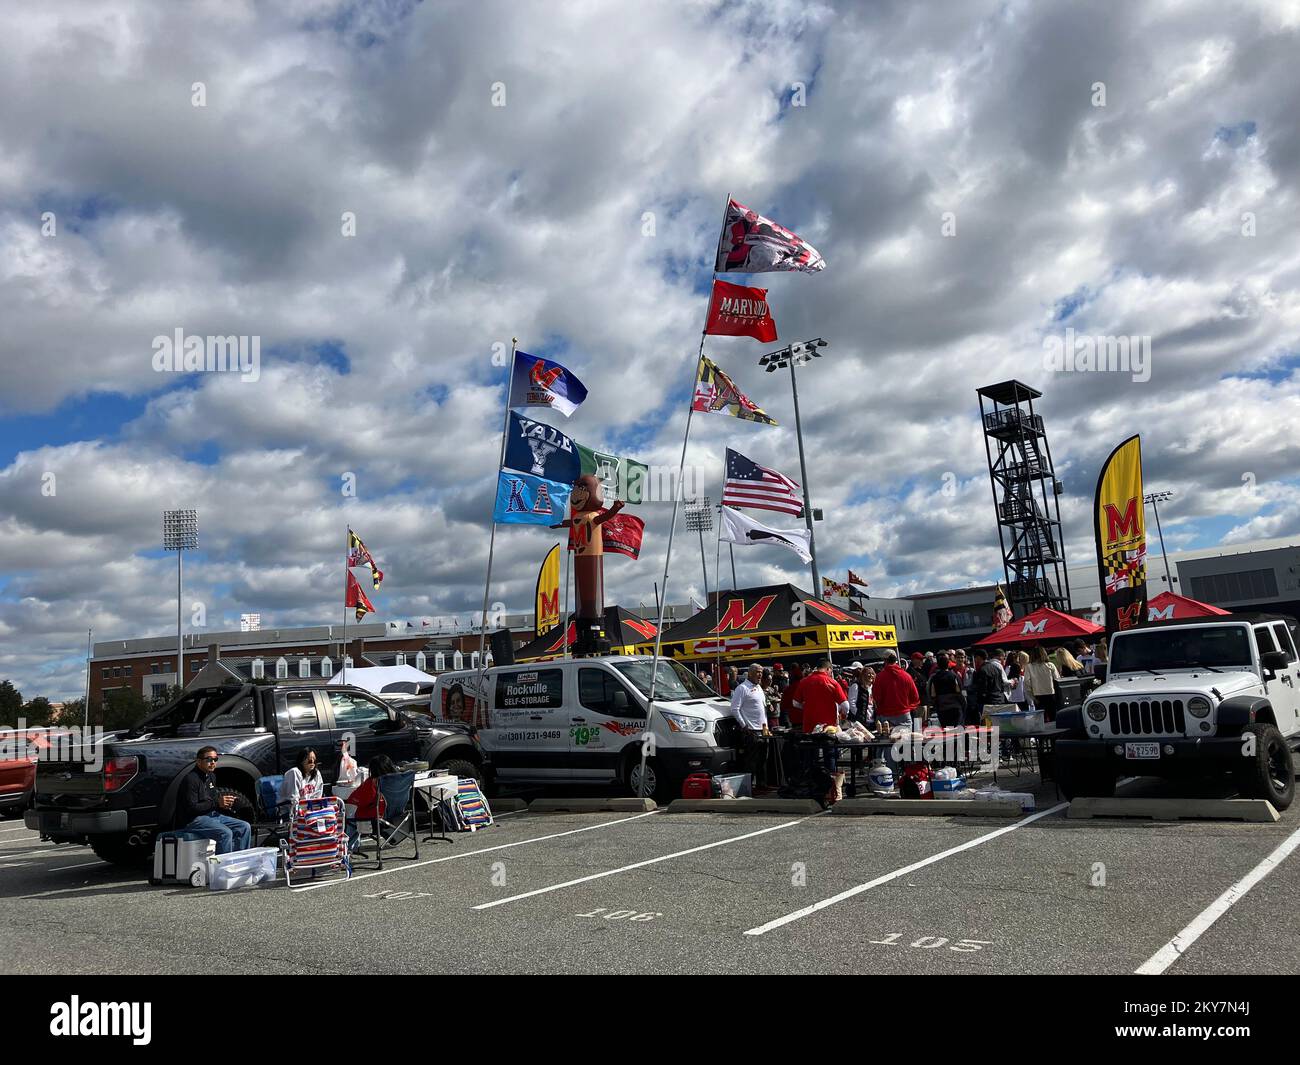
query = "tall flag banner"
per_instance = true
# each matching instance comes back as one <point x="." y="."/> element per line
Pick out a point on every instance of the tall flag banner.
<point x="855" y="579"/>
<point x="747" y="484"/>
<point x="830" y="587"/>
<point x="1120" y="524"/>
<point x="738" y="528"/>
<point x="359" y="555"/>
<point x="1001" y="611"/>
<point x="357" y="598"/>
<point x="621" y="478"/>
<point x="538" y="382"/>
<point x="526" y="500"/>
<point x="752" y="244"/>
<point x="715" y="391"/>
<point x="546" y="614"/>
<point x="622" y="534"/>
<point x="535" y="448"/>
<point x="737" y="311"/>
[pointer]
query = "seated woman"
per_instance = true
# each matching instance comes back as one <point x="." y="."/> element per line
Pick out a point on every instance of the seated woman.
<point x="303" y="781"/>
<point x="362" y="803"/>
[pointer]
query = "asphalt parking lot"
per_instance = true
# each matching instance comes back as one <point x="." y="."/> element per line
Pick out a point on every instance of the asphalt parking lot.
<point x="673" y="892"/>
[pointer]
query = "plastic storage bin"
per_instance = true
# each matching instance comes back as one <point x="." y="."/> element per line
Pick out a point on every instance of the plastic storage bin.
<point x="733" y="786"/>
<point x="1017" y="722"/>
<point x="226" y="872"/>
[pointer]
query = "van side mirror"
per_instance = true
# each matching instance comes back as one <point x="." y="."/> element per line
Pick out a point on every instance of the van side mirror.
<point x="619" y="701"/>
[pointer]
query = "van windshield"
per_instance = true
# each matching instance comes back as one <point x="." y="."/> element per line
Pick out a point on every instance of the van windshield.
<point x="1221" y="646"/>
<point x="673" y="681"/>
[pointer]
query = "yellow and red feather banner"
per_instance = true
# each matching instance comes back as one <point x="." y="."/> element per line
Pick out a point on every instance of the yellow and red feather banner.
<point x="1120" y="525"/>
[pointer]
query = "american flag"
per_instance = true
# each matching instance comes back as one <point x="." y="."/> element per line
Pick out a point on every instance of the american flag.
<point x="756" y="487"/>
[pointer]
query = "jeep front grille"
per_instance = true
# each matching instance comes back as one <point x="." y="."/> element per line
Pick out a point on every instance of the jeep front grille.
<point x="1157" y="717"/>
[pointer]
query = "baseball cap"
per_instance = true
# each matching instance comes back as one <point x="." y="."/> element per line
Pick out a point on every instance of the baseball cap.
<point x="917" y="654"/>
<point x="855" y="665"/>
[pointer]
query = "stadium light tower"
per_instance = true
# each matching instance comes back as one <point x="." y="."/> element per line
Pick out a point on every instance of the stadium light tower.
<point x="180" y="534"/>
<point x="699" y="518"/>
<point x="1155" y="499"/>
<point x="792" y="356"/>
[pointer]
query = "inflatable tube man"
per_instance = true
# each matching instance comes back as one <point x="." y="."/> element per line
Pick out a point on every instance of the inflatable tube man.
<point x="587" y="513"/>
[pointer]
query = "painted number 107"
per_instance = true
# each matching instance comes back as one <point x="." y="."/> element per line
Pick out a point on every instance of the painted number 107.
<point x="963" y="946"/>
<point x="619" y="915"/>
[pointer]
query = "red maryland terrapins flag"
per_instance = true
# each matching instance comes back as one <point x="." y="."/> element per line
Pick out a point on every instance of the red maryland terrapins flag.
<point x="622" y="535"/>
<point x="357" y="598"/>
<point x="737" y="311"/>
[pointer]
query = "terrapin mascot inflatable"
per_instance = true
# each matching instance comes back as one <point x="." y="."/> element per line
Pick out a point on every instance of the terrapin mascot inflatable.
<point x="587" y="513"/>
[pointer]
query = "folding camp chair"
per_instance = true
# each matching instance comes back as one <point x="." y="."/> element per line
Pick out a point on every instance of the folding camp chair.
<point x="317" y="840"/>
<point x="272" y="824"/>
<point x="394" y="820"/>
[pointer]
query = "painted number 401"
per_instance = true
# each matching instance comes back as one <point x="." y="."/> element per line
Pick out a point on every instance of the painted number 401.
<point x="963" y="946"/>
<point x="619" y="915"/>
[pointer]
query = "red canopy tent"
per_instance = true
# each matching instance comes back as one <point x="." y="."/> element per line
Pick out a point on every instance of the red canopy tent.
<point x="1167" y="606"/>
<point x="1044" y="625"/>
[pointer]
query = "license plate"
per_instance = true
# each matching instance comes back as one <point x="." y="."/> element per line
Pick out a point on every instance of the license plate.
<point x="1141" y="750"/>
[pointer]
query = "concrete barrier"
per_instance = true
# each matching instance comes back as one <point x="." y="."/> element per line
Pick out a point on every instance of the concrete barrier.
<point x="507" y="806"/>
<point x="1254" y="810"/>
<point x="585" y="806"/>
<point x="930" y="807"/>
<point x="744" y="806"/>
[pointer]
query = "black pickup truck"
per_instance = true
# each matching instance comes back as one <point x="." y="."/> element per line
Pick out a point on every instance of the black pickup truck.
<point x="118" y="797"/>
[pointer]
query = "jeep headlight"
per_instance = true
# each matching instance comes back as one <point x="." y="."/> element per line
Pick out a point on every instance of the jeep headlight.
<point x="1198" y="706"/>
<point x="1097" y="710"/>
<point x="683" y="723"/>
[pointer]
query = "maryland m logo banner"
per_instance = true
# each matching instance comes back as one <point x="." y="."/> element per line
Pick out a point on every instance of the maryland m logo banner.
<point x="547" y="607"/>
<point x="1120" y="525"/>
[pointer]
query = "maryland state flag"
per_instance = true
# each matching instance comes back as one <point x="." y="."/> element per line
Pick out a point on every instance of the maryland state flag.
<point x="359" y="555"/>
<point x="1001" y="611"/>
<point x="357" y="598"/>
<point x="830" y="587"/>
<point x="1120" y="524"/>
<point x="547" y="612"/>
<point x="715" y="391"/>
<point x="737" y="311"/>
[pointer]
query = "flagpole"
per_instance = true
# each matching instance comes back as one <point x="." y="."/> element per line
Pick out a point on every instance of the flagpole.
<point x="346" y="545"/>
<point x="672" y="527"/>
<point x="731" y="550"/>
<point x="492" y="539"/>
<point x="717" y="595"/>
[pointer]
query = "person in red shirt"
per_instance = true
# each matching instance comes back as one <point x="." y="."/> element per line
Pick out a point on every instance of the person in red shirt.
<point x="894" y="693"/>
<point x="821" y="699"/>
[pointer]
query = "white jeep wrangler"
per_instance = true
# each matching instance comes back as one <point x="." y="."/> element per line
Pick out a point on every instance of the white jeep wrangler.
<point x="1191" y="698"/>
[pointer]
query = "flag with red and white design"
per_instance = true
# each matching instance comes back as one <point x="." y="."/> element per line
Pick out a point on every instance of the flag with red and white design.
<point x="855" y="579"/>
<point x="755" y="487"/>
<point x="752" y="244"/>
<point x="737" y="311"/>
<point x="357" y="598"/>
<point x="622" y="535"/>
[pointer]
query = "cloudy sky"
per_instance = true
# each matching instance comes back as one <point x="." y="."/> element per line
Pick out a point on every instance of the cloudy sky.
<point x="978" y="175"/>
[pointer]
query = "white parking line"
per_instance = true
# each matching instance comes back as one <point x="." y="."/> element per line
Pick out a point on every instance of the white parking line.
<point x="85" y="865"/>
<point x="1177" y="947"/>
<point x="816" y="907"/>
<point x="642" y="864"/>
<point x="481" y="850"/>
<point x="15" y="828"/>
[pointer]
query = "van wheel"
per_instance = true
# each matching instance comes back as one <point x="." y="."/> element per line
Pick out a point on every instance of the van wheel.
<point x="1081" y="779"/>
<point x="656" y="783"/>
<point x="1269" y="773"/>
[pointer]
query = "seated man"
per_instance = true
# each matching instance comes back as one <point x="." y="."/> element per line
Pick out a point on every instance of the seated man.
<point x="200" y="809"/>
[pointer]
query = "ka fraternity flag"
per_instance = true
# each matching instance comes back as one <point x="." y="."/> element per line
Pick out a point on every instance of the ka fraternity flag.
<point x="538" y="382"/>
<point x="738" y="528"/>
<point x="737" y="311"/>
<point x="526" y="500"/>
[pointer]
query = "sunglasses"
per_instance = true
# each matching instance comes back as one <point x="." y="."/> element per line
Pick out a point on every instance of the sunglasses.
<point x="207" y="758"/>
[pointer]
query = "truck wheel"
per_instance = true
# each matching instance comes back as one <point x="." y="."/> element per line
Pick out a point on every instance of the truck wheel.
<point x="459" y="767"/>
<point x="119" y="850"/>
<point x="243" y="808"/>
<point x="1268" y="773"/>
<point x="1079" y="779"/>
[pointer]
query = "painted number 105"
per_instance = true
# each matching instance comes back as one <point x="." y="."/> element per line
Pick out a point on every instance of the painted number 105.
<point x="619" y="915"/>
<point x="964" y="946"/>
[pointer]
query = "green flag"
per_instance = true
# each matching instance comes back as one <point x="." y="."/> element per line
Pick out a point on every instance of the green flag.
<point x="622" y="478"/>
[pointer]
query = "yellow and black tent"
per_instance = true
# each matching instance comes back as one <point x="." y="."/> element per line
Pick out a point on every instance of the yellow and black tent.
<point x="623" y="629"/>
<point x="770" y="622"/>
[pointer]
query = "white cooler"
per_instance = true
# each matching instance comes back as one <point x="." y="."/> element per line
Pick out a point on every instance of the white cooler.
<point x="174" y="856"/>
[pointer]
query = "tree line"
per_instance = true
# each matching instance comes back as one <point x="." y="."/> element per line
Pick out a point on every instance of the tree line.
<point x="119" y="708"/>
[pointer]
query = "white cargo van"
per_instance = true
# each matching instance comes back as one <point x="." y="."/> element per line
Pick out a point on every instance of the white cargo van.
<point x="584" y="719"/>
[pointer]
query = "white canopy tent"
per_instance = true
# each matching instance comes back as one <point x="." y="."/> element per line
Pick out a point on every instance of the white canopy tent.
<point x="376" y="678"/>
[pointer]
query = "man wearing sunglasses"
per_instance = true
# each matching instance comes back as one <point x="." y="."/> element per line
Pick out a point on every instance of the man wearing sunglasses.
<point x="201" y="809"/>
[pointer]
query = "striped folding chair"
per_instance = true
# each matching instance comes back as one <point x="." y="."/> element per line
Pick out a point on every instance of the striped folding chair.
<point x="469" y="811"/>
<point x="317" y="839"/>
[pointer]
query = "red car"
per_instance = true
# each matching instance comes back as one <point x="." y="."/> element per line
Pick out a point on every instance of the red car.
<point x="19" y="752"/>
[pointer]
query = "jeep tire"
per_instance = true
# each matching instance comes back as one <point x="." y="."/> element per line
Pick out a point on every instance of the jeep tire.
<point x="1268" y="772"/>
<point x="1083" y="778"/>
